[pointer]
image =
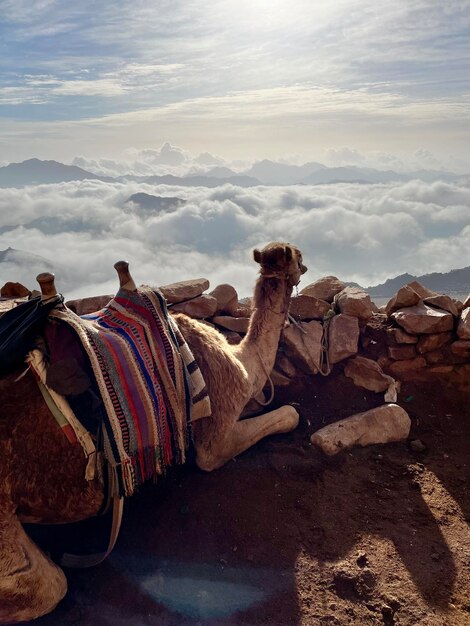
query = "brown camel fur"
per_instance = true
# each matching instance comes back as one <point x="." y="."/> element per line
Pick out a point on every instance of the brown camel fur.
<point x="42" y="475"/>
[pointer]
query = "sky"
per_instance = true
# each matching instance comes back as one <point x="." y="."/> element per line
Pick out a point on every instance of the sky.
<point x="241" y="79"/>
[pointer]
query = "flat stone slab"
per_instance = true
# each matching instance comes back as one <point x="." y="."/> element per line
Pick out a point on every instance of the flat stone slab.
<point x="384" y="424"/>
<point x="398" y="335"/>
<point x="83" y="306"/>
<point x="199" y="308"/>
<point x="423" y="319"/>
<point x="184" y="290"/>
<point x="237" y="324"/>
<point x="343" y="337"/>
<point x="367" y="374"/>
<point x="305" y="343"/>
<point x="428" y="343"/>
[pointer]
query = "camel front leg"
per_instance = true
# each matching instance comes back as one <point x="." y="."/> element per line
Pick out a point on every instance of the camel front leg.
<point x="30" y="584"/>
<point x="244" y="434"/>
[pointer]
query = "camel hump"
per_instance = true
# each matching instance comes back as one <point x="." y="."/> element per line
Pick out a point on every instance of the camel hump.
<point x="125" y="279"/>
<point x="47" y="285"/>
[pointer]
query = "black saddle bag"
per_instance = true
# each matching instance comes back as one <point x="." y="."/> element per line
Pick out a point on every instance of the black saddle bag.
<point x="19" y="328"/>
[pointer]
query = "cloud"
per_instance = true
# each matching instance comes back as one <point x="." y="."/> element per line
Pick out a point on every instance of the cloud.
<point x="364" y="233"/>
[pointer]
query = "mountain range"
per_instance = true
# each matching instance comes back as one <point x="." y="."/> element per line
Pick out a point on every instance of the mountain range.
<point x="266" y="172"/>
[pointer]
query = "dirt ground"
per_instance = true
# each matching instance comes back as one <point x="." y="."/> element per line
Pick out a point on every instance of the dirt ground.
<point x="284" y="536"/>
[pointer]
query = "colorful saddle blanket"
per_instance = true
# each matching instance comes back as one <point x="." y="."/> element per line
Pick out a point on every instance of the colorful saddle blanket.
<point x="151" y="387"/>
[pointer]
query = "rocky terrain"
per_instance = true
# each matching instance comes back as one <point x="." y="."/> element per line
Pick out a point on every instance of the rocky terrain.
<point x="321" y="526"/>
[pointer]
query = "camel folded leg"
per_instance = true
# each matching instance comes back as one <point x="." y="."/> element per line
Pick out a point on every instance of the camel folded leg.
<point x="244" y="434"/>
<point x="30" y="584"/>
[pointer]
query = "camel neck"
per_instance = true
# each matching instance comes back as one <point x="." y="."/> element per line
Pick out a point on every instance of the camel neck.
<point x="259" y="347"/>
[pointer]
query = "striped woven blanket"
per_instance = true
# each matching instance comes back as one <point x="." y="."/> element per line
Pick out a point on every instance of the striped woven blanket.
<point x="150" y="385"/>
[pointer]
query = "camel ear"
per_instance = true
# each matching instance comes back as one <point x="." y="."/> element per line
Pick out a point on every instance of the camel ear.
<point x="257" y="255"/>
<point x="288" y="254"/>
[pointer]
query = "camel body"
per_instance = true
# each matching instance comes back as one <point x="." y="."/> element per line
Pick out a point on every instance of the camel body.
<point x="42" y="474"/>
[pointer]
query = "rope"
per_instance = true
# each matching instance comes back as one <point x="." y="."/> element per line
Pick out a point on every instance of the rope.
<point x="271" y="398"/>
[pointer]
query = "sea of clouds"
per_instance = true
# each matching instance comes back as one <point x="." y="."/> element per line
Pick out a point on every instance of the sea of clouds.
<point x="358" y="232"/>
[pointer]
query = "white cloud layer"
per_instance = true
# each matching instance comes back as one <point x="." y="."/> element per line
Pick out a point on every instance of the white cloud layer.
<point x="364" y="233"/>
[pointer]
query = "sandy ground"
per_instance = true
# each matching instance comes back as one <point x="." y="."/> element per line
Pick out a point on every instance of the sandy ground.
<point x="285" y="536"/>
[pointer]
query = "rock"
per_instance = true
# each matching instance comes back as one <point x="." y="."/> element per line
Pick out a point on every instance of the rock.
<point x="83" y="306"/>
<point x="417" y="445"/>
<point x="10" y="303"/>
<point x="354" y="301"/>
<point x="244" y="308"/>
<point x="285" y="366"/>
<point x="402" y="353"/>
<point x="384" y="424"/>
<point x="231" y="336"/>
<point x="463" y="328"/>
<point x="308" y="307"/>
<point x="423" y="319"/>
<point x="237" y="324"/>
<point x="227" y="298"/>
<point x="398" y="335"/>
<point x="461" y="349"/>
<point x="427" y="343"/>
<point x="441" y="369"/>
<point x="368" y="374"/>
<point x="421" y="290"/>
<point x="441" y="355"/>
<point x="184" y="290"/>
<point x="14" y="290"/>
<point x="200" y="307"/>
<point x="305" y="346"/>
<point x="279" y="379"/>
<point x="324" y="288"/>
<point x="443" y="302"/>
<point x="398" y="368"/>
<point x="406" y="296"/>
<point x="343" y="337"/>
<point x="466" y="302"/>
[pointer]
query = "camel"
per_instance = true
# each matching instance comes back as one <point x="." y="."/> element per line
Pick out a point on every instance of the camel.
<point x="42" y="474"/>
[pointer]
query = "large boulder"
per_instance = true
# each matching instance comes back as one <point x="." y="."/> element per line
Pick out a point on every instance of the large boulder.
<point x="356" y="302"/>
<point x="200" y="307"/>
<point x="463" y="328"/>
<point x="14" y="290"/>
<point x="308" y="307"/>
<point x="367" y="374"/>
<point x="343" y="337"/>
<point x="423" y="319"/>
<point x="227" y="298"/>
<point x="184" y="290"/>
<point x="384" y="424"/>
<point x="406" y="296"/>
<point x="324" y="288"/>
<point x="305" y="344"/>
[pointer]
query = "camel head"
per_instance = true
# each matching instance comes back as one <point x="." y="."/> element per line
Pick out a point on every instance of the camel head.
<point x="280" y="260"/>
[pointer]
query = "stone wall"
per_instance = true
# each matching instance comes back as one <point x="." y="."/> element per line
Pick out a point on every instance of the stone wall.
<point x="419" y="334"/>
